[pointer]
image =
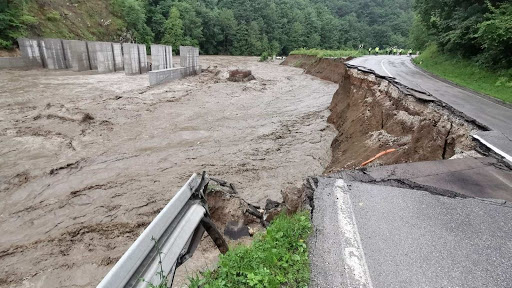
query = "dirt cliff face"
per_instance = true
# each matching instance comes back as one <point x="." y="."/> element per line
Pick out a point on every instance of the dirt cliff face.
<point x="330" y="69"/>
<point x="373" y="115"/>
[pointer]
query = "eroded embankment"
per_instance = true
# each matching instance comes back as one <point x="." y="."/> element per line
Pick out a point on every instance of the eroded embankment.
<point x="330" y="69"/>
<point x="373" y="114"/>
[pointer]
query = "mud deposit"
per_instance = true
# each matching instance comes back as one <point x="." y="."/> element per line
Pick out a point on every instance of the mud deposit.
<point x="373" y="114"/>
<point x="87" y="161"/>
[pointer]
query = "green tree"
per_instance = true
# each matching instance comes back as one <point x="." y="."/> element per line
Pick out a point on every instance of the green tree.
<point x="495" y="35"/>
<point x="133" y="12"/>
<point x="14" y="20"/>
<point x="174" y="29"/>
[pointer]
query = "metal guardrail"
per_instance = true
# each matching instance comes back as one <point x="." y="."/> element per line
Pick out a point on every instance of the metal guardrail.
<point x="169" y="240"/>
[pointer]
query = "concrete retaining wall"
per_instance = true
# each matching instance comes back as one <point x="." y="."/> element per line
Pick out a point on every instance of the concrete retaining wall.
<point x="17" y="62"/>
<point x="143" y="58"/>
<point x="30" y="51"/>
<point x="53" y="54"/>
<point x="118" y="56"/>
<point x="168" y="56"/>
<point x="166" y="75"/>
<point x="131" y="59"/>
<point x="93" y="60"/>
<point x="189" y="56"/>
<point x="78" y="55"/>
<point x="158" y="59"/>
<point x="67" y="52"/>
<point x="105" y="57"/>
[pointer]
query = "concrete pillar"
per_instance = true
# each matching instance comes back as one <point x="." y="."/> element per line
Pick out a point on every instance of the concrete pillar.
<point x="53" y="53"/>
<point x="131" y="59"/>
<point x="67" y="52"/>
<point x="77" y="55"/>
<point x="30" y="51"/>
<point x="91" y="46"/>
<point x="189" y="56"/>
<point x="105" y="57"/>
<point x="118" y="56"/>
<point x="143" y="58"/>
<point x="158" y="57"/>
<point x="168" y="57"/>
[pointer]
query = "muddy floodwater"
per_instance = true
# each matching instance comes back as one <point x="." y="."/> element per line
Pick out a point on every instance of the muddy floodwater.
<point x="88" y="160"/>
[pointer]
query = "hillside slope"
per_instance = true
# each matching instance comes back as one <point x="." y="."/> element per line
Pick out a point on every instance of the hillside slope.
<point x="74" y="19"/>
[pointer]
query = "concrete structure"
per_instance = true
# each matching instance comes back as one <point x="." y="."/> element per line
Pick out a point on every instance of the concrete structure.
<point x="166" y="75"/>
<point x="17" y="62"/>
<point x="189" y="60"/>
<point x="118" y="56"/>
<point x="67" y="52"/>
<point x="168" y="57"/>
<point x="91" y="47"/>
<point x="158" y="59"/>
<point x="189" y="56"/>
<point x="77" y="55"/>
<point x="105" y="57"/>
<point x="53" y="54"/>
<point x="30" y="51"/>
<point x="143" y="58"/>
<point x="161" y="57"/>
<point x="131" y="59"/>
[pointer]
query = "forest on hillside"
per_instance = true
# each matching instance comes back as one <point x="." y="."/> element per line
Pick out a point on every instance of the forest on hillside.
<point x="480" y="30"/>
<point x="241" y="27"/>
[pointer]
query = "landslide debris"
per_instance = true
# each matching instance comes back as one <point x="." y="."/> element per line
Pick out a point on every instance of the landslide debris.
<point x="241" y="75"/>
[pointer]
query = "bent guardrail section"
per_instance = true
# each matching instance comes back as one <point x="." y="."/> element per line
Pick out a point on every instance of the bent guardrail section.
<point x="169" y="240"/>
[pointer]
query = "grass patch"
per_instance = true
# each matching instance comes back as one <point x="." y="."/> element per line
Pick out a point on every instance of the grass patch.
<point x="467" y="73"/>
<point x="328" y="53"/>
<point x="277" y="258"/>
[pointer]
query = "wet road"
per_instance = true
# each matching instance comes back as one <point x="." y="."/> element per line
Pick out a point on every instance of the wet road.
<point x="395" y="226"/>
<point x="493" y="115"/>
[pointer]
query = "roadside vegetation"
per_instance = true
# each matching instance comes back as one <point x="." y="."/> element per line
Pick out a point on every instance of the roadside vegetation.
<point x="276" y="258"/>
<point x="328" y="53"/>
<point x="467" y="42"/>
<point x="467" y="73"/>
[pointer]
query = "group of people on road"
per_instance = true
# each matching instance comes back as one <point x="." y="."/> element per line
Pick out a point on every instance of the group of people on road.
<point x="388" y="51"/>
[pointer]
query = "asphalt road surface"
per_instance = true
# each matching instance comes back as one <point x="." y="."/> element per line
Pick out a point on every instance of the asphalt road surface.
<point x="489" y="113"/>
<point x="414" y="225"/>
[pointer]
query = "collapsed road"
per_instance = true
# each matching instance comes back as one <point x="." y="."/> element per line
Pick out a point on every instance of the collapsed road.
<point x="492" y="113"/>
<point x="444" y="222"/>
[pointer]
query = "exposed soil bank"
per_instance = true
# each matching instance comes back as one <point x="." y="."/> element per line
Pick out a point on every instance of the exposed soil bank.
<point x="330" y="69"/>
<point x="373" y="114"/>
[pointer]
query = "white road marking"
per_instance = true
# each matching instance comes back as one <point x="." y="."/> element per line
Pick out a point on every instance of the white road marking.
<point x="354" y="260"/>
<point x="494" y="148"/>
<point x="386" y="70"/>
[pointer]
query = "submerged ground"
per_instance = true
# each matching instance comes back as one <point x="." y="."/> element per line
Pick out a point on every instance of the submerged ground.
<point x="87" y="161"/>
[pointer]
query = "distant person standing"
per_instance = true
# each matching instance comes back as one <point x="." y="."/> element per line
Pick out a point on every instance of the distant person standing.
<point x="377" y="50"/>
<point x="370" y="51"/>
<point x="395" y="51"/>
<point x="409" y="53"/>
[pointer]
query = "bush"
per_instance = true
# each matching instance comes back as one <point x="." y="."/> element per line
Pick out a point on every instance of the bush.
<point x="264" y="57"/>
<point x="277" y="258"/>
<point x="53" y="16"/>
<point x="328" y="53"/>
<point x="14" y="20"/>
<point x="496" y="83"/>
